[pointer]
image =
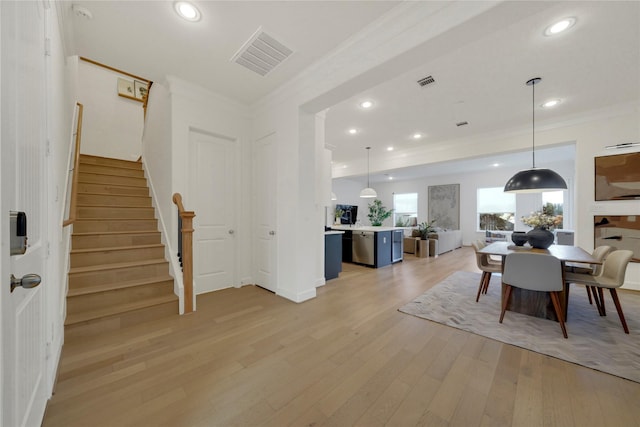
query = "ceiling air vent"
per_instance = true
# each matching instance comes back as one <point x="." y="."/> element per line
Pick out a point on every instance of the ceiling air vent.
<point x="426" y="81"/>
<point x="261" y="53"/>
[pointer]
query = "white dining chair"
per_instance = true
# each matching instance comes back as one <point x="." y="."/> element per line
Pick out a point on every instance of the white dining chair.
<point x="612" y="277"/>
<point x="487" y="267"/>
<point x="535" y="272"/>
<point x="577" y="269"/>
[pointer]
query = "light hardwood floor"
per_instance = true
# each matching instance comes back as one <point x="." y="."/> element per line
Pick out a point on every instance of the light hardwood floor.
<point x="347" y="357"/>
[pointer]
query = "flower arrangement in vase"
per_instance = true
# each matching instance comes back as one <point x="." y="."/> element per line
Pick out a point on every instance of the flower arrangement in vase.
<point x="541" y="219"/>
<point x="540" y="237"/>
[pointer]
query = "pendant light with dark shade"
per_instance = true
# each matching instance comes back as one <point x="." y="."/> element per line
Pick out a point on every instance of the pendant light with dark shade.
<point x="535" y="180"/>
<point x="368" y="193"/>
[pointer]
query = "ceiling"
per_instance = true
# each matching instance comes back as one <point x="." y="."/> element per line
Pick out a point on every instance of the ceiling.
<point x="479" y="77"/>
<point x="149" y="39"/>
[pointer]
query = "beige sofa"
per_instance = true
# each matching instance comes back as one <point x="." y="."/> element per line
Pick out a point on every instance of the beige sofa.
<point x="447" y="240"/>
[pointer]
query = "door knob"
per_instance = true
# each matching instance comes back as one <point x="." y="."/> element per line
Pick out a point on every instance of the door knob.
<point x="272" y="233"/>
<point x="27" y="281"/>
<point x="231" y="231"/>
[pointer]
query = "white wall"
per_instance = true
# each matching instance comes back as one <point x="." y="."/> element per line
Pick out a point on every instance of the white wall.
<point x="157" y="164"/>
<point x="193" y="107"/>
<point x="112" y="125"/>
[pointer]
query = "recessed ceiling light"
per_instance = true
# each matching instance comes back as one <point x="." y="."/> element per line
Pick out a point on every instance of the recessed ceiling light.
<point x="390" y="148"/>
<point x="560" y="26"/>
<point x="390" y="178"/>
<point x="417" y="135"/>
<point x="495" y="165"/>
<point x="551" y="103"/>
<point x="352" y="131"/>
<point x="187" y="11"/>
<point x="366" y="104"/>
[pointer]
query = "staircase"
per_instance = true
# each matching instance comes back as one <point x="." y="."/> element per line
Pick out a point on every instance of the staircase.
<point x="117" y="258"/>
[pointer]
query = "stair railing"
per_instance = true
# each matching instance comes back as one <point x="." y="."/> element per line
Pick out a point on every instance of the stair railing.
<point x="75" y="170"/>
<point x="185" y="250"/>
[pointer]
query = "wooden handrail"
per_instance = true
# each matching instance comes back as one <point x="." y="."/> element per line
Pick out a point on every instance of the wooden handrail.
<point x="99" y="64"/>
<point x="145" y="101"/>
<point x="76" y="165"/>
<point x="186" y="252"/>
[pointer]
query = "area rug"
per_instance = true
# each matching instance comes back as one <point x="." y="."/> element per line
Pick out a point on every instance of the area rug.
<point x="595" y="342"/>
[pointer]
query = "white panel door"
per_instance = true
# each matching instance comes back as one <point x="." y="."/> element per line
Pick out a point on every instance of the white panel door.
<point x="264" y="217"/>
<point x="213" y="189"/>
<point x="23" y="356"/>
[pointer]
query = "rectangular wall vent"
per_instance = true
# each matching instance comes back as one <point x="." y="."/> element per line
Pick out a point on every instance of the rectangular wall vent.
<point x="261" y="53"/>
<point x="426" y="81"/>
<point x="462" y="124"/>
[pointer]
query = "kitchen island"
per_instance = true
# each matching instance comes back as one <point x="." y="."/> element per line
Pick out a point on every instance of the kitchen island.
<point x="371" y="246"/>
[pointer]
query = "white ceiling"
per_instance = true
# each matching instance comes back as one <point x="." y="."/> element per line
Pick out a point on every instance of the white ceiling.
<point x="147" y="38"/>
<point x="479" y="76"/>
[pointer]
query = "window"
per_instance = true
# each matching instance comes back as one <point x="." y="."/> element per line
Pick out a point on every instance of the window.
<point x="496" y="209"/>
<point x="553" y="204"/>
<point x="405" y="213"/>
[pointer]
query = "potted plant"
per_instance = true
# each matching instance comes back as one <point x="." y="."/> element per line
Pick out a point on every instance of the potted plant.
<point x="378" y="213"/>
<point x="338" y="214"/>
<point x="424" y="228"/>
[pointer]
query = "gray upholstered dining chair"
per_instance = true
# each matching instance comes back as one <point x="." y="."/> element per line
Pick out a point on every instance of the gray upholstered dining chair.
<point x="611" y="277"/>
<point x="576" y="269"/>
<point x="535" y="272"/>
<point x="487" y="267"/>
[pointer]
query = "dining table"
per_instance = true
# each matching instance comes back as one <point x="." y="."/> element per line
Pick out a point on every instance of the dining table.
<point x="536" y="303"/>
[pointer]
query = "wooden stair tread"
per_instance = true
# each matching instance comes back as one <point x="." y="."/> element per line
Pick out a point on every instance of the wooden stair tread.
<point x="114" y="206"/>
<point x="112" y="233"/>
<point x="111" y="174"/>
<point x="115" y="219"/>
<point x="119" y="285"/>
<point x="80" y="181"/>
<point x="133" y="167"/>
<point x="108" y="184"/>
<point x="75" y="270"/>
<point x="121" y="308"/>
<point x="115" y="248"/>
<point x="92" y="193"/>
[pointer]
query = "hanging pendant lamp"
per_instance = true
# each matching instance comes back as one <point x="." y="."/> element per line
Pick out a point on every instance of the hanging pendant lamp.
<point x="535" y="180"/>
<point x="368" y="193"/>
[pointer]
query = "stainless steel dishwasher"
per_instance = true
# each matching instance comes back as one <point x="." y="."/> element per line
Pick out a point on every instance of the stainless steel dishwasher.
<point x="363" y="247"/>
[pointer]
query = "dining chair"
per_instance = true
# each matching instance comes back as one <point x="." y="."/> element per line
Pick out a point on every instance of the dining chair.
<point x="481" y="244"/>
<point x="611" y="277"/>
<point x="535" y="272"/>
<point x="487" y="267"/>
<point x="576" y="269"/>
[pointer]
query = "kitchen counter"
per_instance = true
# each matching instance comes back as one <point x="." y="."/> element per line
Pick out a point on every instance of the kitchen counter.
<point x="363" y="228"/>
<point x="329" y="232"/>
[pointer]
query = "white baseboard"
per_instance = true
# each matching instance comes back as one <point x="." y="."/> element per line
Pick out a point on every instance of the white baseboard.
<point x="297" y="297"/>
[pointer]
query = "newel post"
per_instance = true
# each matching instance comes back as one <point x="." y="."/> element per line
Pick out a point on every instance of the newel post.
<point x="186" y="252"/>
